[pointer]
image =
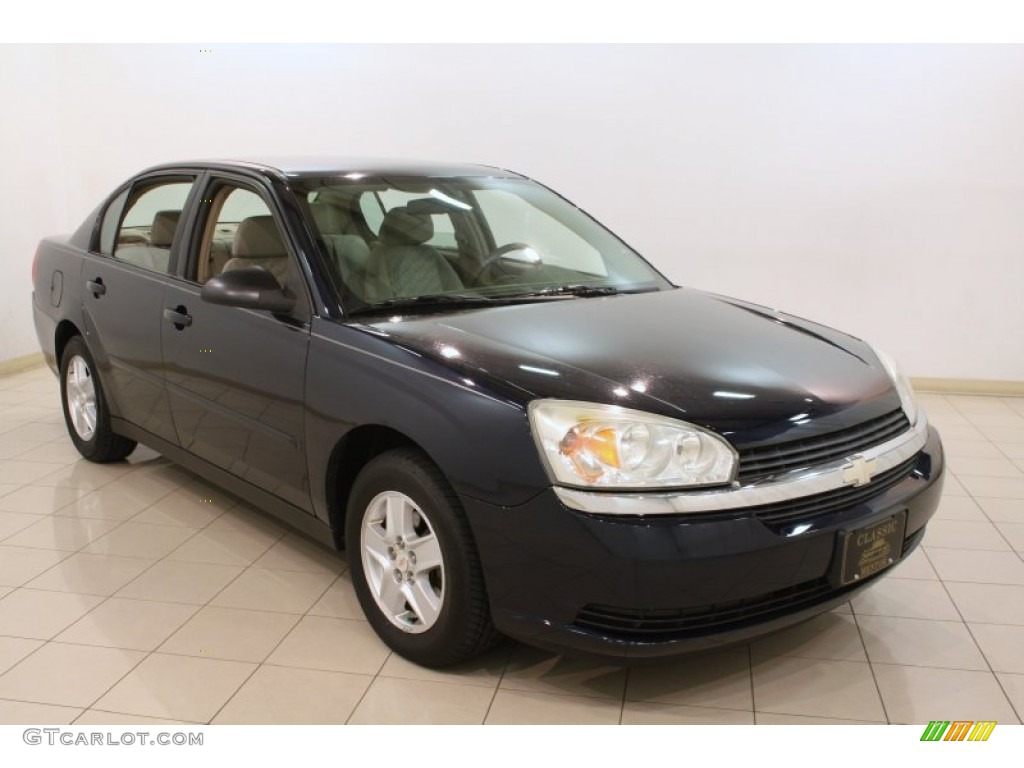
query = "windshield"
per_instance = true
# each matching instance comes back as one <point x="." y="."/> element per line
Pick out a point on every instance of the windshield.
<point x="447" y="241"/>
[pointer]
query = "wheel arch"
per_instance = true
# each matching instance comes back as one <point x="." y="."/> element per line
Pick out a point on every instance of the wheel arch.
<point x="66" y="330"/>
<point x="354" y="451"/>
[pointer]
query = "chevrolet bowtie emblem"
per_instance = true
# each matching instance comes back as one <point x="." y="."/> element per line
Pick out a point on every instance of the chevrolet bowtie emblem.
<point x="859" y="471"/>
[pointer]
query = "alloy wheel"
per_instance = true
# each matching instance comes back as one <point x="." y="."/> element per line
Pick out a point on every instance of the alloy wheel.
<point x="403" y="562"/>
<point x="81" y="398"/>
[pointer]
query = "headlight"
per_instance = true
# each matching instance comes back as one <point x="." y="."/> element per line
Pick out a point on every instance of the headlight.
<point x="604" y="446"/>
<point x="903" y="388"/>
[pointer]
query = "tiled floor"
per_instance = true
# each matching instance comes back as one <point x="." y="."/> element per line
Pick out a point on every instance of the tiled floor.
<point x="137" y="593"/>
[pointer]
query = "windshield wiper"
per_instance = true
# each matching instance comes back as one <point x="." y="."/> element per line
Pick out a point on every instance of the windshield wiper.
<point x="578" y="290"/>
<point x="426" y="301"/>
<point x="447" y="300"/>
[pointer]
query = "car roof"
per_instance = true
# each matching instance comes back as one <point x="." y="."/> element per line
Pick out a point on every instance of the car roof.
<point x="317" y="165"/>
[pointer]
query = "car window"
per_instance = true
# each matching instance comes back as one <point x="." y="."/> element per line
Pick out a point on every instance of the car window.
<point x="229" y="207"/>
<point x="376" y="205"/>
<point x="241" y="204"/>
<point x="372" y="210"/>
<point x="241" y="231"/>
<point x="512" y="219"/>
<point x="386" y="239"/>
<point x="111" y="219"/>
<point x="150" y="223"/>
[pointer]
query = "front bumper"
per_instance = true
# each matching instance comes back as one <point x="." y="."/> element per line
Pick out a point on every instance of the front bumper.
<point x="637" y="587"/>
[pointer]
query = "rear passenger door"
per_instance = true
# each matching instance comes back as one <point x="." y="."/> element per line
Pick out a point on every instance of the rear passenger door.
<point x="236" y="377"/>
<point x="124" y="277"/>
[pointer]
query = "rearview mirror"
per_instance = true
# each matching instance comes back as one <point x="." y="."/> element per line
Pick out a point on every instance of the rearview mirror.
<point x="249" y="288"/>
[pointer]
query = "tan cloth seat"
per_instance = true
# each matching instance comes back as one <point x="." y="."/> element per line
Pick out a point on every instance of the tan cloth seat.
<point x="165" y="226"/>
<point x="258" y="244"/>
<point x="219" y="256"/>
<point x="403" y="265"/>
<point x="156" y="256"/>
<point x="347" y="250"/>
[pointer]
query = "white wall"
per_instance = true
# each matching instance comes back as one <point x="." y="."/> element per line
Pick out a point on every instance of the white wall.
<point x="33" y="186"/>
<point x="877" y="189"/>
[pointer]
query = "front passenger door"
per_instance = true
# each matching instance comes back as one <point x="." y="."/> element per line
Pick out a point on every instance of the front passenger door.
<point x="236" y="377"/>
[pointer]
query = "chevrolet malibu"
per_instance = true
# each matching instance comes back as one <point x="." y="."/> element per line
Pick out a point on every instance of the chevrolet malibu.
<point x="510" y="420"/>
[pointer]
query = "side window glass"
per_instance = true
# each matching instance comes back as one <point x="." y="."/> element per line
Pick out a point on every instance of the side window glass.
<point x="108" y="229"/>
<point x="150" y="225"/>
<point x="242" y="232"/>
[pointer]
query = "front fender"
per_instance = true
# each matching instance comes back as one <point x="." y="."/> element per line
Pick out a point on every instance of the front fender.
<point x="479" y="437"/>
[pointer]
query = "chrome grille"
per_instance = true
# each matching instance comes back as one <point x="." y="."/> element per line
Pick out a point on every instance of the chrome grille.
<point x="770" y="460"/>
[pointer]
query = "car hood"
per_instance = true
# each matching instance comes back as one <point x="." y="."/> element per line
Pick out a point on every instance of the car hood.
<point x="741" y="370"/>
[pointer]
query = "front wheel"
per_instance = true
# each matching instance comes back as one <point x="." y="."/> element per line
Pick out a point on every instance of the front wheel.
<point x="85" y="408"/>
<point x="414" y="564"/>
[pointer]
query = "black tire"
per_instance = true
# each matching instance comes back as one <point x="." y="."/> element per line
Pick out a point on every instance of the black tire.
<point x="462" y="628"/>
<point x="103" y="445"/>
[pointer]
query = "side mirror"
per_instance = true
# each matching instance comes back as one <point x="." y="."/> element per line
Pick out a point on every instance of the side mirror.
<point x="249" y="288"/>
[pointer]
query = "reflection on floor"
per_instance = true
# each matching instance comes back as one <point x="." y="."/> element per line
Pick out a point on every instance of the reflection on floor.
<point x="138" y="593"/>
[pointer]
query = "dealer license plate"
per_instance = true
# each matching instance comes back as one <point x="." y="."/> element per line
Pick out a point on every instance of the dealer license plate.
<point x="871" y="549"/>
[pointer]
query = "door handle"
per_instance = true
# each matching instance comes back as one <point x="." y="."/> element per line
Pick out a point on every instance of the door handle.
<point x="96" y="287"/>
<point x="178" y="317"/>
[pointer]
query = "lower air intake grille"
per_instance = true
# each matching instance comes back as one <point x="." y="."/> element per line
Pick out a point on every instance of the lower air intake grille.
<point x="668" y="624"/>
<point x="808" y="508"/>
<point x="701" y="620"/>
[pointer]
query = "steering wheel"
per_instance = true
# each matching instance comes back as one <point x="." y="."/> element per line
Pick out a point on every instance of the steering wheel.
<point x="499" y="253"/>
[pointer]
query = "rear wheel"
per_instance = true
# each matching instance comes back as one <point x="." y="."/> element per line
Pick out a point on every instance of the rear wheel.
<point x="85" y="408"/>
<point x="414" y="564"/>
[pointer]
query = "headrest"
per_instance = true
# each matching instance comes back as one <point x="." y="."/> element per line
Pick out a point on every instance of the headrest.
<point x="165" y="224"/>
<point x="257" y="238"/>
<point x="404" y="227"/>
<point x="330" y="219"/>
<point x="431" y="205"/>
